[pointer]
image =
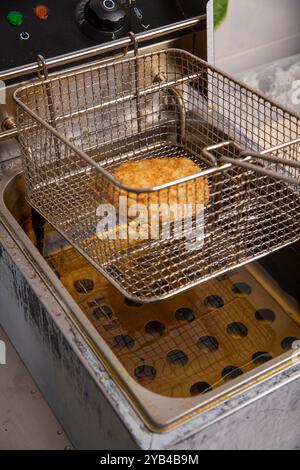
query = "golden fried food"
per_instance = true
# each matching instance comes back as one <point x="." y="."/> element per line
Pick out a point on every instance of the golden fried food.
<point x="161" y="206"/>
<point x="145" y="174"/>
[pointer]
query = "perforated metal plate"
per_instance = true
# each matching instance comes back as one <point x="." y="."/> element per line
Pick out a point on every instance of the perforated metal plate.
<point x="190" y="344"/>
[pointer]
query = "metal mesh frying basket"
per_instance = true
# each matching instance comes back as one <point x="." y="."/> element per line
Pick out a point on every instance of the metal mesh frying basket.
<point x="76" y="128"/>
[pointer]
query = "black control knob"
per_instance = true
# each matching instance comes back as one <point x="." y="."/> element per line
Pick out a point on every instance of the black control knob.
<point x="106" y="15"/>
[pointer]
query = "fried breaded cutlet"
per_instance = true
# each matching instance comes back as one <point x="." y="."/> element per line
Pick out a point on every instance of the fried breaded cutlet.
<point x="145" y="174"/>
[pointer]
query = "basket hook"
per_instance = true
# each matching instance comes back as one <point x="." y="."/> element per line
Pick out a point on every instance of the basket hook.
<point x="135" y="42"/>
<point x="42" y="67"/>
<point x="137" y="80"/>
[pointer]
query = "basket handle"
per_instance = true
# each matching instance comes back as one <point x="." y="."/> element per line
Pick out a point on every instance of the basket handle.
<point x="245" y="157"/>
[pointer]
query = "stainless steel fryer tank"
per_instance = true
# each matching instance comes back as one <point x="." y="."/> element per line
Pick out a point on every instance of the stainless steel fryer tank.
<point x="90" y="378"/>
<point x="93" y="376"/>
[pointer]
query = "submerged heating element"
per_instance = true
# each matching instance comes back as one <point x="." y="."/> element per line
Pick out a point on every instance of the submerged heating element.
<point x="76" y="128"/>
<point x="190" y="344"/>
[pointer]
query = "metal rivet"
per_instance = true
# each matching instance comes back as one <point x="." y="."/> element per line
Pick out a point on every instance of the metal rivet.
<point x="287" y="343"/>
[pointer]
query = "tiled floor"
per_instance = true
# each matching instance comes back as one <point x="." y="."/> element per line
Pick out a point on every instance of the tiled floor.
<point x="26" y="421"/>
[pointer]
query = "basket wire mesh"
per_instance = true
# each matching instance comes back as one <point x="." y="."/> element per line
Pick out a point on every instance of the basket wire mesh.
<point x="76" y="128"/>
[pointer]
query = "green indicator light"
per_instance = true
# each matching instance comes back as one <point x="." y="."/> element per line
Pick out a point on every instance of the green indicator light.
<point x="15" y="18"/>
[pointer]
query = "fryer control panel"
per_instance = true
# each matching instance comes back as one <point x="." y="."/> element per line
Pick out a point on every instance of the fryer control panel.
<point x="56" y="27"/>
